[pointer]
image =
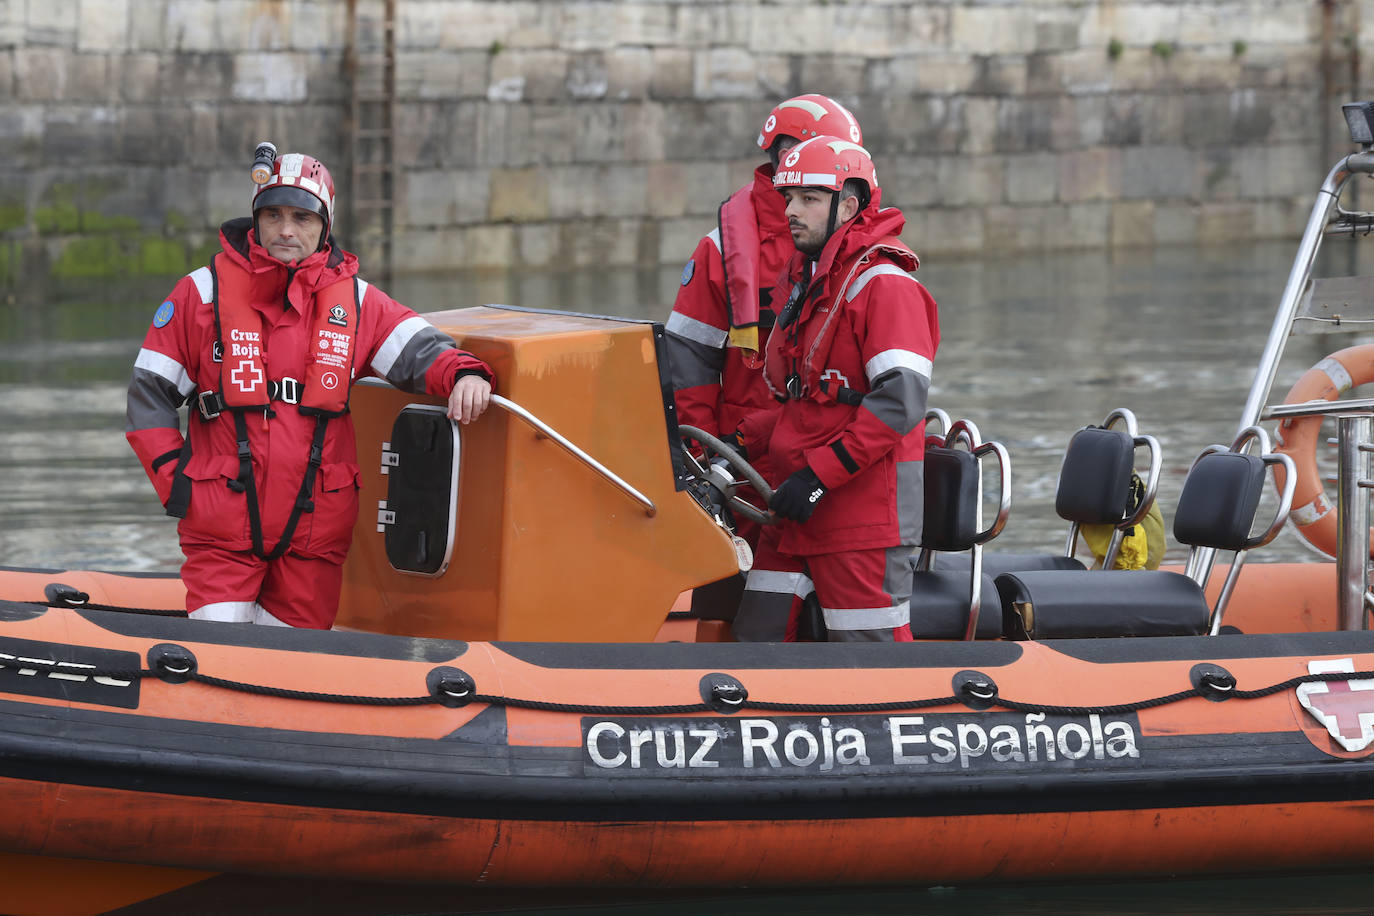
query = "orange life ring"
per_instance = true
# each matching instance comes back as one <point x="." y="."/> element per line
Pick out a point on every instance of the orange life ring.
<point x="1313" y="514"/>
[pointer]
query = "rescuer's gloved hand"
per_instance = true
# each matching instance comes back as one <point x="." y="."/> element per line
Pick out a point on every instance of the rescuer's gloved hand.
<point x="736" y="441"/>
<point x="797" y="497"/>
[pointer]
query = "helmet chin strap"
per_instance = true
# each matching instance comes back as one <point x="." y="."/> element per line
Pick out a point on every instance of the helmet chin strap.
<point x="834" y="214"/>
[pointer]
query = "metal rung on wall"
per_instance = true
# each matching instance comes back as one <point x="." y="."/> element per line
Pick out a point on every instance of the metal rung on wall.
<point x="370" y="63"/>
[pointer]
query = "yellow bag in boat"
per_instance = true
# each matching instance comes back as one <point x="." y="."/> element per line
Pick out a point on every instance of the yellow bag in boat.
<point x="1141" y="548"/>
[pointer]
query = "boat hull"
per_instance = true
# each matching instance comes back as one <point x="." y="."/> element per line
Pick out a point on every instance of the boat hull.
<point x="849" y="764"/>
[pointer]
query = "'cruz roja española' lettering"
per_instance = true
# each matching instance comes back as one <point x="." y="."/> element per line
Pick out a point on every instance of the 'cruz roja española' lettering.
<point x="832" y="744"/>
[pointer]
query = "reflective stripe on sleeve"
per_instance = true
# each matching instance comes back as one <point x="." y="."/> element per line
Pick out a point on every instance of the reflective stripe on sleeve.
<point x="694" y="330"/>
<point x="888" y="360"/>
<point x="163" y="366"/>
<point x="395" y="344"/>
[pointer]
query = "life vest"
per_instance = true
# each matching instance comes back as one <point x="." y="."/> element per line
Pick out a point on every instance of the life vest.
<point x="244" y="385"/>
<point x="330" y="346"/>
<point x="804" y="378"/>
<point x="739" y="255"/>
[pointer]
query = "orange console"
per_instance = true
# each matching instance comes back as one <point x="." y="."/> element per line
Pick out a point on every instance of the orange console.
<point x="495" y="531"/>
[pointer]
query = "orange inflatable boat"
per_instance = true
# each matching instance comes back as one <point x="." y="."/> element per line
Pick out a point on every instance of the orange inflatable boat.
<point x="518" y="694"/>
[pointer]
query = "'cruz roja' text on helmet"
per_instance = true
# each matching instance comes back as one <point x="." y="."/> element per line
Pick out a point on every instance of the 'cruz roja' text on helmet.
<point x="826" y="162"/>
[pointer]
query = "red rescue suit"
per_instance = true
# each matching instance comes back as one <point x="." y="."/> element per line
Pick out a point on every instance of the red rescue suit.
<point x="726" y="293"/>
<point x="854" y="371"/>
<point x="270" y="351"/>
<point x="723" y="313"/>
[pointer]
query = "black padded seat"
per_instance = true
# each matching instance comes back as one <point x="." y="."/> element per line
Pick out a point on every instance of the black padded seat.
<point x="951" y="499"/>
<point x="1215" y="510"/>
<point x="942" y="599"/>
<point x="1095" y="479"/>
<point x="940" y="605"/>
<point x="1219" y="501"/>
<point x="1062" y="604"/>
<point x="994" y="564"/>
<point x="1094" y="489"/>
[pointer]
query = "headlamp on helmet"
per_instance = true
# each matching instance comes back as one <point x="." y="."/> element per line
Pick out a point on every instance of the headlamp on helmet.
<point x="297" y="180"/>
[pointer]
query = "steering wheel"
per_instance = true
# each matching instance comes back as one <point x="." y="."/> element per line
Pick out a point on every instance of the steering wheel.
<point x="726" y="485"/>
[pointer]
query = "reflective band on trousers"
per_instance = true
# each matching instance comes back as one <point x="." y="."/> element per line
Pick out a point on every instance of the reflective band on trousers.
<point x="867" y="618"/>
<point x="237" y="612"/>
<point x="781" y="583"/>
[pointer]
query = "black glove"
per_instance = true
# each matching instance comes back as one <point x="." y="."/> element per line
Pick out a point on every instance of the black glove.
<point x="797" y="497"/>
<point x="736" y="441"/>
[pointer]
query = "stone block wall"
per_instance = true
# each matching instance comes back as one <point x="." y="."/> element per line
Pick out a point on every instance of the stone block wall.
<point x="580" y="133"/>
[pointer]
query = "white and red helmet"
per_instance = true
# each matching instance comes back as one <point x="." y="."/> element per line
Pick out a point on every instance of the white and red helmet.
<point x="300" y="181"/>
<point x="826" y="162"/>
<point x="808" y="116"/>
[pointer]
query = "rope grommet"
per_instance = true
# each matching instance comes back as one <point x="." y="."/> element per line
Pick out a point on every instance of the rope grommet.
<point x="453" y="687"/>
<point x="173" y="664"/>
<point x="723" y="692"/>
<point x="975" y="689"/>
<point x="1212" y="681"/>
<point x="59" y="595"/>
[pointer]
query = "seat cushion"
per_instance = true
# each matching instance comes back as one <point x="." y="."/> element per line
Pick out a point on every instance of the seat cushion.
<point x="940" y="606"/>
<point x="994" y="564"/>
<point x="1056" y="604"/>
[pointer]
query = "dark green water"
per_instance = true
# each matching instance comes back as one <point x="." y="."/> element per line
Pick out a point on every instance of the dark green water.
<point x="1033" y="348"/>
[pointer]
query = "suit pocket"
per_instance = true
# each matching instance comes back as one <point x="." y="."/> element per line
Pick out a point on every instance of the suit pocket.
<point x="216" y="513"/>
<point x="329" y="528"/>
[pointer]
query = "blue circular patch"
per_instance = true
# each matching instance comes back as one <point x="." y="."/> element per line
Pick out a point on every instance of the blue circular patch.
<point x="163" y="314"/>
<point x="687" y="271"/>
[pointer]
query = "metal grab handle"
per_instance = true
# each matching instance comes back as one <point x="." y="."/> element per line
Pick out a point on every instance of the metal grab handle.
<point x="545" y="429"/>
<point x="966" y="432"/>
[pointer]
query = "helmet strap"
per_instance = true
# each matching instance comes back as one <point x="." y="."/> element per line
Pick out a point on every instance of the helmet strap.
<point x="834" y="214"/>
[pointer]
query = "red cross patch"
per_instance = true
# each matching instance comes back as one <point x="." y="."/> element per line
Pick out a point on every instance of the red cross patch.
<point x="247" y="377"/>
<point x="1346" y="707"/>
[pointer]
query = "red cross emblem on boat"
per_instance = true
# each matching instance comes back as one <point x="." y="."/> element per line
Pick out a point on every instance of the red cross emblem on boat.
<point x="1346" y="707"/>
<point x="246" y="376"/>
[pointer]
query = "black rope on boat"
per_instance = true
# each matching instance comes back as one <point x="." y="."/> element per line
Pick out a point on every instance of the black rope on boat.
<point x="1099" y="710"/>
<point x="92" y="606"/>
<point x="58" y="594"/>
<point x="285" y="693"/>
<point x="851" y="707"/>
<point x="1209" y="688"/>
<point x="594" y="710"/>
